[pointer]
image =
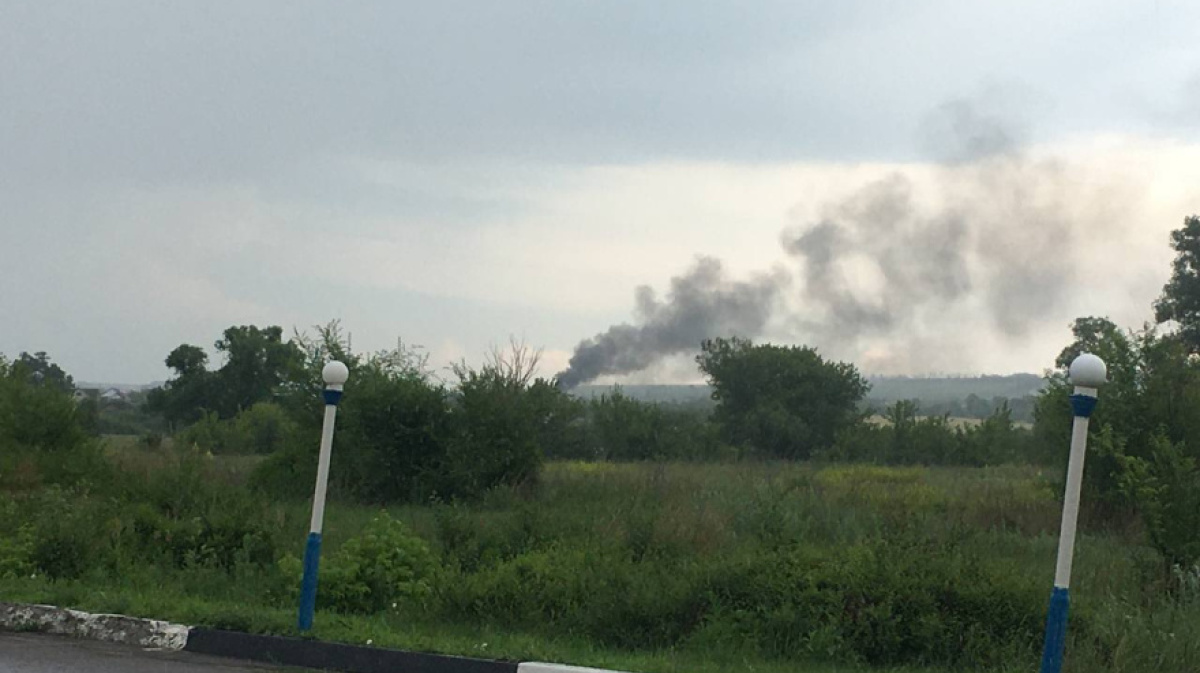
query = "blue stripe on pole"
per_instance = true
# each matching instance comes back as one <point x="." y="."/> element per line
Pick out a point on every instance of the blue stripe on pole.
<point x="332" y="396"/>
<point x="1056" y="631"/>
<point x="308" y="586"/>
<point x="1083" y="405"/>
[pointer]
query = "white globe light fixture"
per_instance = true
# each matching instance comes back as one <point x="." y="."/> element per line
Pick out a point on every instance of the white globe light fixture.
<point x="1088" y="371"/>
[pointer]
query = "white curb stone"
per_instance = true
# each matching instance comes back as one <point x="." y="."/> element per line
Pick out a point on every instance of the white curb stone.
<point x="538" y="667"/>
<point x="150" y="633"/>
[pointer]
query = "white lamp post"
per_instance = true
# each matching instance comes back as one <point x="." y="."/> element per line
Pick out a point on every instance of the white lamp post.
<point x="335" y="375"/>
<point x="1087" y="373"/>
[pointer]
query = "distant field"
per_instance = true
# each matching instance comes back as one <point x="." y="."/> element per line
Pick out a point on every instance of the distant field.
<point x="132" y="452"/>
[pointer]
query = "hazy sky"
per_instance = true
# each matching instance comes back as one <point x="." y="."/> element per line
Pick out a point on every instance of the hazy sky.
<point x="455" y="172"/>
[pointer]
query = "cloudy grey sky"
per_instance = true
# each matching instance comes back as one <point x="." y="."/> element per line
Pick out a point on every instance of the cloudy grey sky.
<point x="452" y="173"/>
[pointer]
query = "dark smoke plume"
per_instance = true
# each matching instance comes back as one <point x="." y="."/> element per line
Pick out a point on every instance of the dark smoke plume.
<point x="700" y="304"/>
<point x="992" y="234"/>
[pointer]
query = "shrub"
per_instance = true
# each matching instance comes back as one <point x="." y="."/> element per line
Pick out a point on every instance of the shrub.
<point x="42" y="437"/>
<point x="178" y="513"/>
<point x="389" y="446"/>
<point x="495" y="431"/>
<point x="468" y="544"/>
<point x="383" y="568"/>
<point x="623" y="428"/>
<point x="262" y="429"/>
<point x="209" y="434"/>
<point x="902" y="600"/>
<point x="1165" y="488"/>
<point x="907" y="438"/>
<point x="66" y="537"/>
<point x="16" y="552"/>
<point x="880" y="602"/>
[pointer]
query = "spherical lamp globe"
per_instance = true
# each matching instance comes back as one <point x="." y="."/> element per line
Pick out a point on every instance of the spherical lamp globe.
<point x="1088" y="371"/>
<point x="335" y="373"/>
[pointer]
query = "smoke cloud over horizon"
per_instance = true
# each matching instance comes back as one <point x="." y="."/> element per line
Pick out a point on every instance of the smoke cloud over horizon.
<point x="701" y="303"/>
<point x="989" y="234"/>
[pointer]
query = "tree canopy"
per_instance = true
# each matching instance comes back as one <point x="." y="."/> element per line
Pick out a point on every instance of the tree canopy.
<point x="1180" y="300"/>
<point x="783" y="401"/>
<point x="39" y="370"/>
<point x="258" y="362"/>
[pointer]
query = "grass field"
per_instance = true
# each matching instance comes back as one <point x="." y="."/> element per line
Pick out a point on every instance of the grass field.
<point x="657" y="532"/>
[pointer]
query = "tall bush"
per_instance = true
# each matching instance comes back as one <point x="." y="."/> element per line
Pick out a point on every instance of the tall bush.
<point x="42" y="436"/>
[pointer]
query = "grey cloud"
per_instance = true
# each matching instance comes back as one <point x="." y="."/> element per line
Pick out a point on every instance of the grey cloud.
<point x="204" y="92"/>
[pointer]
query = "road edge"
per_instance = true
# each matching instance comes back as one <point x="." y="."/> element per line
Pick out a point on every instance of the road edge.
<point x="284" y="650"/>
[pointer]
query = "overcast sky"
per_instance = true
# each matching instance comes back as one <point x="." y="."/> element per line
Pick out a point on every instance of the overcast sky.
<point x="453" y="173"/>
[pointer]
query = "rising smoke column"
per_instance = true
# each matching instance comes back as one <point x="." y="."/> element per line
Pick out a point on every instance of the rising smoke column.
<point x="999" y="237"/>
<point x="992" y="235"/>
<point x="700" y="304"/>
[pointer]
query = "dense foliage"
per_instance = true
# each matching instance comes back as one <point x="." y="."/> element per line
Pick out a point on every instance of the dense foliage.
<point x="780" y="401"/>
<point x="43" y="439"/>
<point x="1146" y="428"/>
<point x="258" y="364"/>
<point x="1180" y="300"/>
<point x="904" y="437"/>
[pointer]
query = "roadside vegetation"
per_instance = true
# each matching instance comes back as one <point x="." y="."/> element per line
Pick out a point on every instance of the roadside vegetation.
<point x="489" y="513"/>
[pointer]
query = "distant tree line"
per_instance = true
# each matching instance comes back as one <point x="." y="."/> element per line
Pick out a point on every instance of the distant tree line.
<point x="1020" y="409"/>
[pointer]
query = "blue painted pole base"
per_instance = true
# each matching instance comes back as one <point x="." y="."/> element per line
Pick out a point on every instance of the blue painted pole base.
<point x="1056" y="631"/>
<point x="308" y="586"/>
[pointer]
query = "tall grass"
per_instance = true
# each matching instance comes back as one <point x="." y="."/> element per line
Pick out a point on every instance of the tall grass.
<point x="681" y="566"/>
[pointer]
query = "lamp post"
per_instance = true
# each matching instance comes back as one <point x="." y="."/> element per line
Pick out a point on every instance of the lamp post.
<point x="1087" y="373"/>
<point x="335" y="375"/>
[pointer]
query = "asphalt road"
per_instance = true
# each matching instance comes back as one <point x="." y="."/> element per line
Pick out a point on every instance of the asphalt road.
<point x="37" y="653"/>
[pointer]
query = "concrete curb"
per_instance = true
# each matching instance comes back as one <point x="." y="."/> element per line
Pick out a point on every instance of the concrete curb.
<point x="152" y="633"/>
<point x="537" y="667"/>
<point x="149" y="633"/>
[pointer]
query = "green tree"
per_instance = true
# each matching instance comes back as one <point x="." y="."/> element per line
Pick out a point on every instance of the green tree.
<point x="1180" y="300"/>
<point x="1122" y="352"/>
<point x="1153" y="393"/>
<point x="189" y="394"/>
<point x="783" y="401"/>
<point x="257" y="364"/>
<point x="39" y="370"/>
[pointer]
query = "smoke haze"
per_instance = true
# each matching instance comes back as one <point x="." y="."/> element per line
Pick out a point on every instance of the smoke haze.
<point x="701" y="303"/>
<point x="992" y="236"/>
